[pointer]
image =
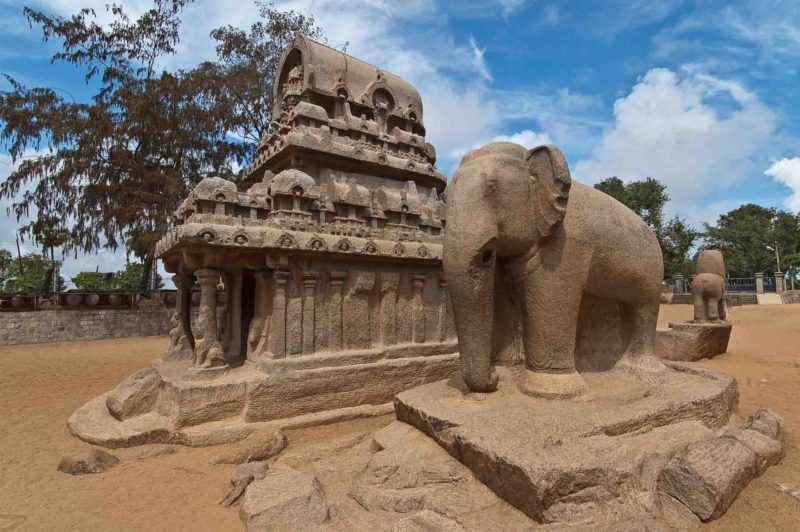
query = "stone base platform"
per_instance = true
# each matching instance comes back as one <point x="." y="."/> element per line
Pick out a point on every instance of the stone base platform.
<point x="174" y="402"/>
<point x="688" y="341"/>
<point x="592" y="460"/>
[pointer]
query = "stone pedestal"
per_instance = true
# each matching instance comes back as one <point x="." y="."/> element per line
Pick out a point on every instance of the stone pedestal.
<point x="592" y="460"/>
<point x="689" y="341"/>
<point x="759" y="283"/>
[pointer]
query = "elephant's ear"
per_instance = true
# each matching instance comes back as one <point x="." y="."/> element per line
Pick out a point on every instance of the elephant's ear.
<point x="551" y="182"/>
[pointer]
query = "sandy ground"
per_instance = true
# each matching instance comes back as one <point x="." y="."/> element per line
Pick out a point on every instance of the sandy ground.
<point x="41" y="385"/>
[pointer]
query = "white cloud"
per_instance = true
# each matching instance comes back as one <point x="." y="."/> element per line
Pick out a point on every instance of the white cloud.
<point x="511" y="6"/>
<point x="526" y="137"/>
<point x="480" y="61"/>
<point x="787" y="171"/>
<point x="667" y="128"/>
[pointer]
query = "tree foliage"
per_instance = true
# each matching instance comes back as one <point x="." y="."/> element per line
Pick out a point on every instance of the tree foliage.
<point x="744" y="233"/>
<point x="647" y="198"/>
<point x="110" y="171"/>
<point x="27" y="276"/>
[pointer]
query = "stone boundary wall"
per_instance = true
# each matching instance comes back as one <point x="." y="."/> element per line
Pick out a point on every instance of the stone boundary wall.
<point x="59" y="325"/>
<point x="791" y="296"/>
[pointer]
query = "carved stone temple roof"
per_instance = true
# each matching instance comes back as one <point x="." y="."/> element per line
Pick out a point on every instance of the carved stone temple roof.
<point x="327" y="102"/>
<point x="345" y="170"/>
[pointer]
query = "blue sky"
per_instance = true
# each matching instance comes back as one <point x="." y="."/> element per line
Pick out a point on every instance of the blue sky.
<point x="704" y="96"/>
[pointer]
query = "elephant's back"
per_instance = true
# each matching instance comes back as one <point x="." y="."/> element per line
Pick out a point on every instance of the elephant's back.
<point x="602" y="212"/>
<point x="620" y="240"/>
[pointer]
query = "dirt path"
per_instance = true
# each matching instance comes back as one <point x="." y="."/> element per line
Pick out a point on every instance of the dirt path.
<point x="41" y="385"/>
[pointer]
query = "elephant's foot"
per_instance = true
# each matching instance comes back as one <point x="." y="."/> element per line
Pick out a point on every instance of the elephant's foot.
<point x="551" y="385"/>
<point x="646" y="367"/>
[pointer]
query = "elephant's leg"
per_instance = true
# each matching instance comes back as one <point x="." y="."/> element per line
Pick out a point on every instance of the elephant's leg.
<point x="723" y="308"/>
<point x="713" y="308"/>
<point x="639" y="357"/>
<point x="700" y="313"/>
<point x="550" y="309"/>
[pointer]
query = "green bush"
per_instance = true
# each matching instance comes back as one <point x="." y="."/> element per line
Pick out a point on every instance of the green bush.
<point x="93" y="282"/>
<point x="126" y="280"/>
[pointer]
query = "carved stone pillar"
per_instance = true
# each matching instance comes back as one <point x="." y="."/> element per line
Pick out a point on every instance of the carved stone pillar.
<point x="335" y="310"/>
<point x="294" y="318"/>
<point x="208" y="351"/>
<point x="390" y="284"/>
<point x="356" y="311"/>
<point x="277" y="329"/>
<point x="310" y="290"/>
<point x="181" y="339"/>
<point x="260" y="325"/>
<point x="417" y="309"/>
<point x="442" y="325"/>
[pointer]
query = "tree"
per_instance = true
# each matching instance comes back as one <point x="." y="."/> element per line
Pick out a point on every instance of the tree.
<point x="111" y="171"/>
<point x="744" y="233"/>
<point x="647" y="198"/>
<point x="30" y="279"/>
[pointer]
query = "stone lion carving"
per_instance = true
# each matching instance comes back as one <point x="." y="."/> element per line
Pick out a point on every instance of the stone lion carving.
<point x="516" y="219"/>
<point x="708" y="287"/>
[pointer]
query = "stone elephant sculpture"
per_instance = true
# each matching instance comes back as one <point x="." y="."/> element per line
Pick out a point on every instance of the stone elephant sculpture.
<point x="708" y="287"/>
<point x="515" y="214"/>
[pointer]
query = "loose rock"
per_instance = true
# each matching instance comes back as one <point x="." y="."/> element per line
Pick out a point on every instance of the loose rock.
<point x="768" y="423"/>
<point x="247" y="473"/>
<point x="89" y="461"/>
<point x="284" y="499"/>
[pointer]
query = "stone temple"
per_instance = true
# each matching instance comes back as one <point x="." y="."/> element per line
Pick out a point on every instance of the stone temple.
<point x="329" y="254"/>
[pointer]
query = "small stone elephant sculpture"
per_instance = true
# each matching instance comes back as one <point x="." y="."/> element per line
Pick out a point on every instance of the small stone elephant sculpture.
<point x="708" y="287"/>
<point x="514" y="215"/>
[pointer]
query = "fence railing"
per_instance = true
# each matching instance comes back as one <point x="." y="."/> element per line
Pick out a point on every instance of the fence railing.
<point x="741" y="284"/>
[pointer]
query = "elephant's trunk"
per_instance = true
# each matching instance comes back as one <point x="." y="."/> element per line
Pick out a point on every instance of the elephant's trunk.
<point x="469" y="263"/>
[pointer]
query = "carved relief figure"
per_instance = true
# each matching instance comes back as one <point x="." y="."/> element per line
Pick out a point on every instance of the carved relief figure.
<point x="514" y="215"/>
<point x="708" y="287"/>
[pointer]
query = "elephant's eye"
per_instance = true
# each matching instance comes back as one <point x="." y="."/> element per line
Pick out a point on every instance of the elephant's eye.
<point x="487" y="257"/>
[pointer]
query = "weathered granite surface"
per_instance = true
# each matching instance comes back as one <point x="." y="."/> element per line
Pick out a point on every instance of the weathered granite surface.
<point x="591" y="460"/>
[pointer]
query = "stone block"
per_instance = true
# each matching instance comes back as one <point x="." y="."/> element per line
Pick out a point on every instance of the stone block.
<point x="768" y="451"/>
<point x="707" y="477"/>
<point x="594" y="459"/>
<point x="686" y="341"/>
<point x="305" y="391"/>
<point x="135" y="395"/>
